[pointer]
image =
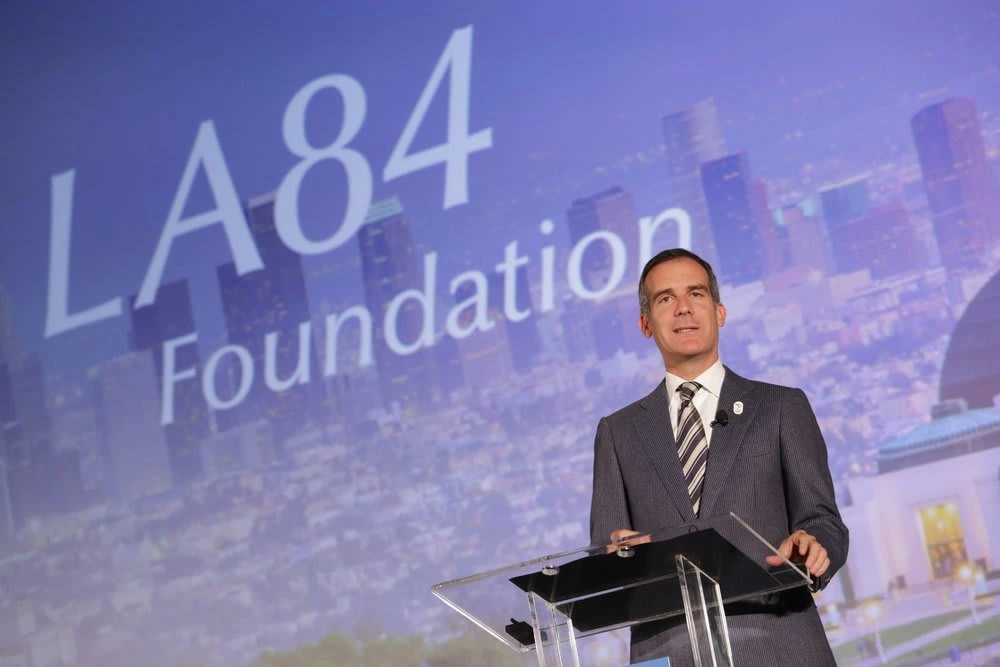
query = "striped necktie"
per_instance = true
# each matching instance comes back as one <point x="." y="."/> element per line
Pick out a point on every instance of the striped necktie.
<point x="692" y="445"/>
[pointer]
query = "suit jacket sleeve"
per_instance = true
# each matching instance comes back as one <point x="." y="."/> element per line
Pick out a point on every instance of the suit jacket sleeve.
<point x="608" y="504"/>
<point x="808" y="484"/>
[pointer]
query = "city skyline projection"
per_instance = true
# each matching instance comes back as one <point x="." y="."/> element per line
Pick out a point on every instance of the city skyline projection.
<point x="389" y="261"/>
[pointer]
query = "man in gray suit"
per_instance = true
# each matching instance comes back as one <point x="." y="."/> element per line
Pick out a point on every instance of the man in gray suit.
<point x="768" y="464"/>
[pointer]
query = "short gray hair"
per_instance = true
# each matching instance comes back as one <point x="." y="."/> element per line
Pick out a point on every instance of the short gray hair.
<point x="666" y="256"/>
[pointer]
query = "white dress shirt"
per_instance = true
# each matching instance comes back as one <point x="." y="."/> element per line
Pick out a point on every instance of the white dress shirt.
<point x="706" y="399"/>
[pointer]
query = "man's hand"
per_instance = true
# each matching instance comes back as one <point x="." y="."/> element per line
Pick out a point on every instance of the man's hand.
<point x="801" y="547"/>
<point x="621" y="538"/>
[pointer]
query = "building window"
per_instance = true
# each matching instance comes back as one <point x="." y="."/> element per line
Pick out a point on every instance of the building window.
<point x="944" y="539"/>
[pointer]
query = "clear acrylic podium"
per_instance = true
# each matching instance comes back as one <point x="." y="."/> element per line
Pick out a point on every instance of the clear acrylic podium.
<point x="544" y="605"/>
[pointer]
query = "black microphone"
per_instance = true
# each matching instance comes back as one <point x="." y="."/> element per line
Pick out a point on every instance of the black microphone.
<point x="721" y="418"/>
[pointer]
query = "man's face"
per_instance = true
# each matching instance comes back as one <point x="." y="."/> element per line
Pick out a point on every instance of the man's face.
<point x="683" y="320"/>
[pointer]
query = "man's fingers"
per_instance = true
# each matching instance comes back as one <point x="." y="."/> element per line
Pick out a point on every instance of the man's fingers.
<point x="621" y="534"/>
<point x="805" y="549"/>
<point x="811" y="553"/>
<point x="817" y="554"/>
<point x="802" y="540"/>
<point x="787" y="546"/>
<point x="785" y="549"/>
<point x="626" y="538"/>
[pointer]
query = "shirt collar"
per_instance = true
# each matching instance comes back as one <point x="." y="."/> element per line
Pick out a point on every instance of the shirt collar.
<point x="710" y="380"/>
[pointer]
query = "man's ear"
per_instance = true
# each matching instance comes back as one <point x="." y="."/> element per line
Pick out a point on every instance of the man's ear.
<point x="720" y="314"/>
<point x="644" y="326"/>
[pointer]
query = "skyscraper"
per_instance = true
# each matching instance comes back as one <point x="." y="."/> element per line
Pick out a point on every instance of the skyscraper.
<point x="35" y="480"/>
<point x="9" y="344"/>
<point x="576" y="324"/>
<point x="389" y="266"/>
<point x="960" y="188"/>
<point x="608" y="323"/>
<point x="271" y="300"/>
<point x="805" y="237"/>
<point x="733" y="210"/>
<point x="611" y="210"/>
<point x="883" y="240"/>
<point x="844" y="204"/>
<point x="448" y="364"/>
<point x="10" y="445"/>
<point x="485" y="356"/>
<point x="168" y="317"/>
<point x="691" y="137"/>
<point x="333" y="284"/>
<point x="6" y="508"/>
<point x="770" y="243"/>
<point x="26" y="423"/>
<point x="133" y="443"/>
<point x="525" y="343"/>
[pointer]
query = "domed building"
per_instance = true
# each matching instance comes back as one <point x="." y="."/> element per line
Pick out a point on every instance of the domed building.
<point x="933" y="504"/>
<point x="971" y="369"/>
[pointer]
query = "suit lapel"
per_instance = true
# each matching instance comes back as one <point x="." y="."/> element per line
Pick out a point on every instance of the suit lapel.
<point x="726" y="440"/>
<point x="657" y="437"/>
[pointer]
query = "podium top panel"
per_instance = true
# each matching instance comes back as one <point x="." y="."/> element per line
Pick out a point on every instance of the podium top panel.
<point x="608" y="586"/>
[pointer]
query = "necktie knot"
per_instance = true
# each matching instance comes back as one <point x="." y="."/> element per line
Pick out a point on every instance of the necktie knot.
<point x="687" y="390"/>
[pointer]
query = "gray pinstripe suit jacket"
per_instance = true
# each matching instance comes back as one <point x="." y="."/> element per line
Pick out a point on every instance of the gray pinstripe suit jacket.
<point x="768" y="465"/>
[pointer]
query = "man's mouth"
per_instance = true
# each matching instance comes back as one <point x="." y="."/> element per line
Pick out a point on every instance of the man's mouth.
<point x="681" y="330"/>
